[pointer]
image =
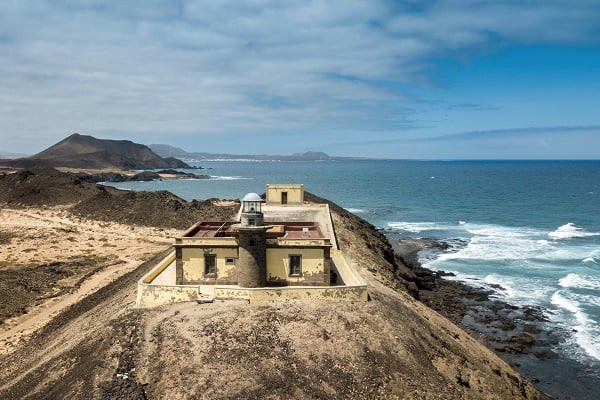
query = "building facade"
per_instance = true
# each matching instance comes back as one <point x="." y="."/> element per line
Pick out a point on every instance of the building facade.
<point x="250" y="253"/>
<point x="285" y="194"/>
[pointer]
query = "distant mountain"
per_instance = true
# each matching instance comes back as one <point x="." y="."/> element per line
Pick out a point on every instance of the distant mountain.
<point x="166" y="150"/>
<point x="82" y="151"/>
<point x="12" y="155"/>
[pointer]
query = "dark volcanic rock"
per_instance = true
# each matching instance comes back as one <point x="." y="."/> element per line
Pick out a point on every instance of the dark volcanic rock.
<point x="81" y="151"/>
<point x="43" y="187"/>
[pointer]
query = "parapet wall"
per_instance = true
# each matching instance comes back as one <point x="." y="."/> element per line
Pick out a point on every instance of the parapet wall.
<point x="154" y="290"/>
<point x="326" y="293"/>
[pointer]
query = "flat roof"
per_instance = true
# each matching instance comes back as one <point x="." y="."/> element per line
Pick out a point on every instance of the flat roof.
<point x="292" y="230"/>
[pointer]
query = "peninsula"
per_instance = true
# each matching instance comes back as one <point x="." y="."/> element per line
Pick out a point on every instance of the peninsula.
<point x="74" y="252"/>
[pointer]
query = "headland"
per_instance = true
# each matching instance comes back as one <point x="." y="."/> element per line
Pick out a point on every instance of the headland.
<point x="100" y="345"/>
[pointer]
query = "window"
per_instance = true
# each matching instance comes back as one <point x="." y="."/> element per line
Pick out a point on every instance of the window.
<point x="210" y="264"/>
<point x="229" y="260"/>
<point x="251" y="222"/>
<point x="295" y="265"/>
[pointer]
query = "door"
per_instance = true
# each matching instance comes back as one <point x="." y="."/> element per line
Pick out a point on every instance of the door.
<point x="283" y="197"/>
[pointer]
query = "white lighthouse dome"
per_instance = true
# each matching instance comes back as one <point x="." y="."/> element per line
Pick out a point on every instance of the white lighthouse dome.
<point x="252" y="197"/>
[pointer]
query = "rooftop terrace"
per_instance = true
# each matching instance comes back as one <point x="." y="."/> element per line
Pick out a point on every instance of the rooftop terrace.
<point x="290" y="230"/>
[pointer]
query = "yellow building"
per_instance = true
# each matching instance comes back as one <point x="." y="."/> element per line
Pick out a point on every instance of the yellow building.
<point x="284" y="194"/>
<point x="251" y="253"/>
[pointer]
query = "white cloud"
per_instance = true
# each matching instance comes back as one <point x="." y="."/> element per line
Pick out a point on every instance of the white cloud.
<point x="208" y="67"/>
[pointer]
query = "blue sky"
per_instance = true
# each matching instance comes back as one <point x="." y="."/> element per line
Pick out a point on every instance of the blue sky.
<point x="397" y="79"/>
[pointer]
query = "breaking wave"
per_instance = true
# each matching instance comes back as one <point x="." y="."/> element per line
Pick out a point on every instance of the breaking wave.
<point x="569" y="231"/>
<point x="356" y="210"/>
<point x="227" y="178"/>
<point x="418" y="227"/>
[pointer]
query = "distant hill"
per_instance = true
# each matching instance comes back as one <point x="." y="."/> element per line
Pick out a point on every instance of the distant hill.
<point x="166" y="150"/>
<point x="12" y="155"/>
<point x="82" y="151"/>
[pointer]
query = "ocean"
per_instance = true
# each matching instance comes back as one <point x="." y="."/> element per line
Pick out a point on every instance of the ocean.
<point x="527" y="230"/>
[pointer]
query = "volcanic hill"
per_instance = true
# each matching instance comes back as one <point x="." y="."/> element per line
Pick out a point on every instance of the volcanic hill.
<point x="83" y="151"/>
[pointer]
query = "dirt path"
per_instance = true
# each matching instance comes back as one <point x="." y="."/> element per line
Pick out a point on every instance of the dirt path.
<point x="75" y="348"/>
<point x="98" y="345"/>
<point x="36" y="236"/>
<point x="50" y="234"/>
<point x="17" y="329"/>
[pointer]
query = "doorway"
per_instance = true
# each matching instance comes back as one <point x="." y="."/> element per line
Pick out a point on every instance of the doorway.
<point x="284" y="198"/>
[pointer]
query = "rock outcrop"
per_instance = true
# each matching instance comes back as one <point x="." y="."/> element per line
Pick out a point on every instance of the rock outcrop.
<point x="390" y="347"/>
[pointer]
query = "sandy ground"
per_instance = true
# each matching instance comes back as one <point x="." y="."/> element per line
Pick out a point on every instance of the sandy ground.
<point x="37" y="236"/>
<point x="92" y="342"/>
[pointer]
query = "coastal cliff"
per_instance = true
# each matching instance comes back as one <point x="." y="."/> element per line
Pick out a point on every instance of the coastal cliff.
<point x="102" y="347"/>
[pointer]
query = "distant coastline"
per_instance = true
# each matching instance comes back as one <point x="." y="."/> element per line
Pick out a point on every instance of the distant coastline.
<point x="165" y="150"/>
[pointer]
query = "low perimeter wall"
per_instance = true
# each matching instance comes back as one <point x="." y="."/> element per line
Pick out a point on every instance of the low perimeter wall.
<point x="156" y="295"/>
<point x="330" y="293"/>
<point x="151" y="295"/>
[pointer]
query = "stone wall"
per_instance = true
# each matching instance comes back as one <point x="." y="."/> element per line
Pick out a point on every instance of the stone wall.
<point x="252" y="261"/>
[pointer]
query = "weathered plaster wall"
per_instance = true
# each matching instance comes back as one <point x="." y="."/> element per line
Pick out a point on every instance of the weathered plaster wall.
<point x="193" y="265"/>
<point x="164" y="264"/>
<point x="150" y="294"/>
<point x="252" y="262"/>
<point x="315" y="269"/>
<point x="295" y="193"/>
<point x="343" y="293"/>
<point x="156" y="295"/>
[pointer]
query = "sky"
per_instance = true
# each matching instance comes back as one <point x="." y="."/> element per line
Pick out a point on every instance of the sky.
<point x="408" y="79"/>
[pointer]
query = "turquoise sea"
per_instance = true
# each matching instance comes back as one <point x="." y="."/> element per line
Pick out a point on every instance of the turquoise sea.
<point x="528" y="230"/>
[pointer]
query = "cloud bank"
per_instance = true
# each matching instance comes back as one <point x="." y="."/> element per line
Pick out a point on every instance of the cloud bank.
<point x="230" y="68"/>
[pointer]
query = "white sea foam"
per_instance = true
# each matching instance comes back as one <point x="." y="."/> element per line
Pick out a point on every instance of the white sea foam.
<point x="527" y="266"/>
<point x="561" y="301"/>
<point x="462" y="222"/>
<point x="227" y="178"/>
<point x="569" y="231"/>
<point x="587" y="331"/>
<point x="514" y="290"/>
<point x="416" y="227"/>
<point x="491" y="242"/>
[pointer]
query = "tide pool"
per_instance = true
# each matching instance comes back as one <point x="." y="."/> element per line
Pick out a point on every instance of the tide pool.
<point x="528" y="230"/>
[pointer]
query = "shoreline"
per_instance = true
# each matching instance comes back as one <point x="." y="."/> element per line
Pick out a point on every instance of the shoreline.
<point x="520" y="336"/>
<point x="101" y="311"/>
<point x="113" y="175"/>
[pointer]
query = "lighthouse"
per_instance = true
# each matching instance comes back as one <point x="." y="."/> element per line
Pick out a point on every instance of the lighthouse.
<point x="252" y="258"/>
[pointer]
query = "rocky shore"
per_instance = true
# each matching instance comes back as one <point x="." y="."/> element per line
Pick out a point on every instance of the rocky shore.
<point x="94" y="343"/>
<point x="519" y="335"/>
<point x="139" y="176"/>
